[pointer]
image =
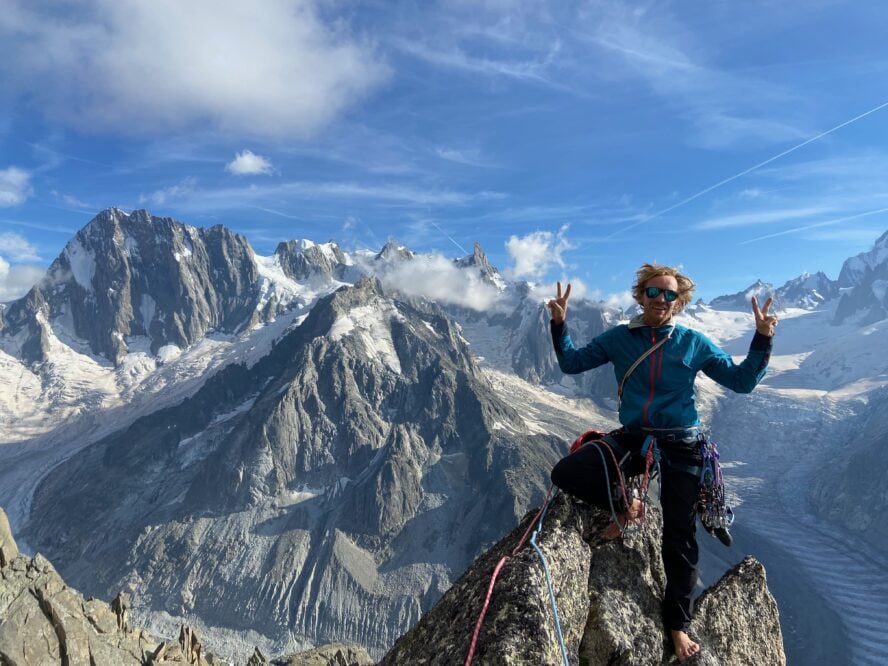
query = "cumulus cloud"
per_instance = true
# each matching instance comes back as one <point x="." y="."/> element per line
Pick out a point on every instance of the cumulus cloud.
<point x="15" y="186"/>
<point x="537" y="252"/>
<point x="436" y="278"/>
<point x="167" y="65"/>
<point x="247" y="163"/>
<point x="17" y="247"/>
<point x="15" y="281"/>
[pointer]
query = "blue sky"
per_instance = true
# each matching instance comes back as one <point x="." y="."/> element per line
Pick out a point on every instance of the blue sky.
<point x="573" y="140"/>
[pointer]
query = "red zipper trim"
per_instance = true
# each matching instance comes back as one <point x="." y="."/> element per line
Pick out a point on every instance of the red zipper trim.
<point x="651" y="397"/>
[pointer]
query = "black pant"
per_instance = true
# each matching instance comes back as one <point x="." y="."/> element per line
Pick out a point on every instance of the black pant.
<point x="581" y="475"/>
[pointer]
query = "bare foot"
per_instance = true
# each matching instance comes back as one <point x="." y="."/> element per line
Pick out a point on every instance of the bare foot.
<point x="614" y="530"/>
<point x="684" y="646"/>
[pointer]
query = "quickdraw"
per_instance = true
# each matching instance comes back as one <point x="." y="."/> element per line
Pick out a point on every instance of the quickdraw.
<point x="712" y="506"/>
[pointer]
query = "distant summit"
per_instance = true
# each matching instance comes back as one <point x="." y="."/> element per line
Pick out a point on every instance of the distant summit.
<point x="479" y="261"/>
<point x="740" y="300"/>
<point x="807" y="291"/>
<point x="854" y="269"/>
<point x="866" y="279"/>
<point x="134" y="274"/>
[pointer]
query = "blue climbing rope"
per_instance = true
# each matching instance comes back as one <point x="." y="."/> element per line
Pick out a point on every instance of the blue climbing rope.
<point x="533" y="542"/>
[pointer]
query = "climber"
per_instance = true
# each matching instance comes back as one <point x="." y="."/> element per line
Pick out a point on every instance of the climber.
<point x="657" y="399"/>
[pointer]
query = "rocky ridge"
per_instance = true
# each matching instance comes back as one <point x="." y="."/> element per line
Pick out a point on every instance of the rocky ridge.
<point x="608" y="595"/>
<point x="44" y="622"/>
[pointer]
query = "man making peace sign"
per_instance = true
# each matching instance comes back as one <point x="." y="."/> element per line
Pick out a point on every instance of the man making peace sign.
<point x="655" y="363"/>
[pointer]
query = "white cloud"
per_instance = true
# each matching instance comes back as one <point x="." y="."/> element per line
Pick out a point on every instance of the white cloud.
<point x="15" y="281"/>
<point x="436" y="278"/>
<point x="150" y="67"/>
<point x="178" y="191"/>
<point x="537" y="252"/>
<point x="15" y="186"/>
<point x="248" y="163"/>
<point x="546" y="291"/>
<point x="17" y="247"/>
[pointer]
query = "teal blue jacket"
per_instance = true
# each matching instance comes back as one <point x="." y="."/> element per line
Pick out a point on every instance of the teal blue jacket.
<point x="660" y="391"/>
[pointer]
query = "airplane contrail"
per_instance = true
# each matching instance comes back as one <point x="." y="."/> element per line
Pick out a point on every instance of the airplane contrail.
<point x="747" y="171"/>
<point x="825" y="223"/>
<point x="450" y="238"/>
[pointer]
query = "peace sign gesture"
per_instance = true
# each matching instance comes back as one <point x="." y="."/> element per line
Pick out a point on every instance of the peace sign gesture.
<point x="558" y="305"/>
<point x="764" y="323"/>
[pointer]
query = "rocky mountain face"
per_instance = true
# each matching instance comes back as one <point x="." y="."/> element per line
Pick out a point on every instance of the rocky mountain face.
<point x="334" y="489"/>
<point x="807" y="291"/>
<point x="137" y="275"/>
<point x="478" y="261"/>
<point x="608" y="595"/>
<point x="740" y="300"/>
<point x="305" y="260"/>
<point x="866" y="279"/>
<point x="515" y="338"/>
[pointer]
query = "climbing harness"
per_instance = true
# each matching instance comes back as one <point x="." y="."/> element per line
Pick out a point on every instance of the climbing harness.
<point x="538" y="521"/>
<point x="620" y="489"/>
<point x="712" y="506"/>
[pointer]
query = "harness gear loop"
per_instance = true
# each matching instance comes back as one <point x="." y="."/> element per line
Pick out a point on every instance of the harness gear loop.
<point x="711" y="505"/>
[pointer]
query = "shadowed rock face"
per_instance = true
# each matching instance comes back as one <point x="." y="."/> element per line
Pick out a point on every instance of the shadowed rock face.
<point x="608" y="596"/>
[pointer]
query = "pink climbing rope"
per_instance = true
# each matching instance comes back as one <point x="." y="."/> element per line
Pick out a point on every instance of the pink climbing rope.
<point x="496" y="571"/>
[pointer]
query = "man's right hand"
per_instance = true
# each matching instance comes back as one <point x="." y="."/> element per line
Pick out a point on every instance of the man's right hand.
<point x="558" y="305"/>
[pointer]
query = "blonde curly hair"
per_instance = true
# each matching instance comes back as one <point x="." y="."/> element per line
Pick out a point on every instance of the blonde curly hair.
<point x="649" y="271"/>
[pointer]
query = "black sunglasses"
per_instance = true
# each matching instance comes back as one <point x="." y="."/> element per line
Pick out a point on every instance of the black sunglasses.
<point x="668" y="294"/>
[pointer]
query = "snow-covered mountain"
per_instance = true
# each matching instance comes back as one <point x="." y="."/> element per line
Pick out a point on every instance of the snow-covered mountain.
<point x="322" y="439"/>
<point x="350" y="474"/>
<point x="806" y="291"/>
<point x="866" y="279"/>
<point x="740" y="300"/>
<point x="125" y="276"/>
